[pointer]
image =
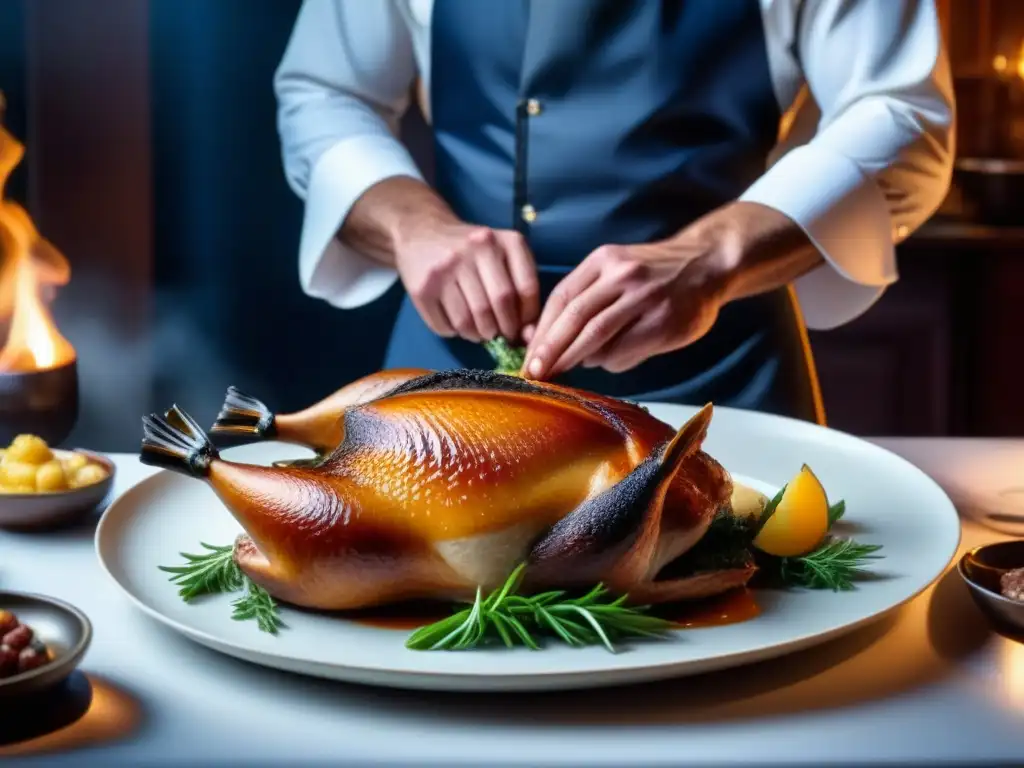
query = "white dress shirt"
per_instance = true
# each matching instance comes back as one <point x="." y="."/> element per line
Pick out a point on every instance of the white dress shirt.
<point x="867" y="161"/>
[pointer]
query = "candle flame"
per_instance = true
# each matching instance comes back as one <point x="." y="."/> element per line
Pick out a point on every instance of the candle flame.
<point x="29" y="267"/>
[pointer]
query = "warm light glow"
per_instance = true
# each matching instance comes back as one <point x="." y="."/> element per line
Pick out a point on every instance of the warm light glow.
<point x="1011" y="668"/>
<point x="113" y="716"/>
<point x="28" y="266"/>
<point x="1000" y="63"/>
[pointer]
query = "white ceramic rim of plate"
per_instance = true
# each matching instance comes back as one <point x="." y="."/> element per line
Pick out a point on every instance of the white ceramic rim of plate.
<point x="630" y="667"/>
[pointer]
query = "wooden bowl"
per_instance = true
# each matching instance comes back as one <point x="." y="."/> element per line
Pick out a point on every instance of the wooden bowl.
<point x="49" y="509"/>
<point x="66" y="631"/>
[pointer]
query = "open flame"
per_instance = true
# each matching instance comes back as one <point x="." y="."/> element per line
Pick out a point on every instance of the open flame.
<point x="30" y="269"/>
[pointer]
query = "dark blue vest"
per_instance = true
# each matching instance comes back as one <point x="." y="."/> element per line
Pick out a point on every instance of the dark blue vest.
<point x="588" y="122"/>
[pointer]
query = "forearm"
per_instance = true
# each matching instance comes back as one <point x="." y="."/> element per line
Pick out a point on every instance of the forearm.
<point x="385" y="215"/>
<point x="752" y="249"/>
<point x="879" y="159"/>
<point x="339" y="107"/>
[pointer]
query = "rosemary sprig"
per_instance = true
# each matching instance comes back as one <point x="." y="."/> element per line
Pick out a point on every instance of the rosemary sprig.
<point x="507" y="359"/>
<point x="516" y="619"/>
<point x="217" y="572"/>
<point x="259" y="605"/>
<point x="206" y="574"/>
<point x="835" y="565"/>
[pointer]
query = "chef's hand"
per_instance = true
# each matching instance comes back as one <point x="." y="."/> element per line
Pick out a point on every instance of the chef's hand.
<point x="627" y="303"/>
<point x="464" y="280"/>
<point x="469" y="281"/>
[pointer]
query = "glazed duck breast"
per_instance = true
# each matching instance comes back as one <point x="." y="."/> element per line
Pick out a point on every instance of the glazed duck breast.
<point x="451" y="479"/>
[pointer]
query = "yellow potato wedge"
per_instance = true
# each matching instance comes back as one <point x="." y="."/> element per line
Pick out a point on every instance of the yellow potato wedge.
<point x="799" y="522"/>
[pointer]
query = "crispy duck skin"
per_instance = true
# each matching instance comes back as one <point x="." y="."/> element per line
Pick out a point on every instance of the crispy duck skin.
<point x="320" y="427"/>
<point x="451" y="479"/>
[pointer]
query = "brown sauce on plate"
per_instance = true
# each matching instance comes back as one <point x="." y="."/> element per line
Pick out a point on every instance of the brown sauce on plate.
<point x="406" y="616"/>
<point x="730" y="607"/>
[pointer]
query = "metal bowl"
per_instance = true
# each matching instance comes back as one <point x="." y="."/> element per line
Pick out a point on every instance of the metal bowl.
<point x="66" y="631"/>
<point x="981" y="568"/>
<point x="49" y="509"/>
<point x="44" y="403"/>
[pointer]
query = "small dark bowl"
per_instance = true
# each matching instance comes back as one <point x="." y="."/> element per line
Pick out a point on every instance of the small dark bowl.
<point x="56" y="508"/>
<point x="66" y="631"/>
<point x="981" y="569"/>
<point x="43" y="403"/>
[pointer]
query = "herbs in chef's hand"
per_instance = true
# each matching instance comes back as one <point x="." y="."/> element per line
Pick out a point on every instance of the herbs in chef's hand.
<point x="507" y="359"/>
<point x="513" y="619"/>
<point x="217" y="572"/>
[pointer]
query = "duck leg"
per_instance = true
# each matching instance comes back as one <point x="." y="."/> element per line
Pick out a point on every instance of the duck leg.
<point x="245" y="419"/>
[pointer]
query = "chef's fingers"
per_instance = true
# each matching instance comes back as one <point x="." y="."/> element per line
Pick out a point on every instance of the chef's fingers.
<point x="523" y="269"/>
<point x="566" y="328"/>
<point x="501" y="292"/>
<point x="458" y="312"/>
<point x="478" y="302"/>
<point x="636" y="343"/>
<point x="434" y="316"/>
<point x="597" y="333"/>
<point x="571" y="286"/>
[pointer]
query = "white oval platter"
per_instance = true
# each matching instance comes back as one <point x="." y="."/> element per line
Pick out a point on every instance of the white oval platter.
<point x="888" y="502"/>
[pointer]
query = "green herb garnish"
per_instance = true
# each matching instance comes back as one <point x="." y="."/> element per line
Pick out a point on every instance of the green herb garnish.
<point x="206" y="574"/>
<point x="259" y="605"/>
<point x="836" y="512"/>
<point x="217" y="572"/>
<point x="514" y="619"/>
<point x="507" y="359"/>
<point x="769" y="509"/>
<point x="835" y="565"/>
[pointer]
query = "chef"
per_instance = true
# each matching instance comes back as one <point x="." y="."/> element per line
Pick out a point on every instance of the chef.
<point x="657" y="197"/>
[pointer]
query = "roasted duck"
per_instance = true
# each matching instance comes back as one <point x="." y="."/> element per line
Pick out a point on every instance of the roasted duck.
<point x="451" y="479"/>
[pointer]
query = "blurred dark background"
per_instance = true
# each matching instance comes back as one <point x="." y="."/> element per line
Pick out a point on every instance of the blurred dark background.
<point x="153" y="164"/>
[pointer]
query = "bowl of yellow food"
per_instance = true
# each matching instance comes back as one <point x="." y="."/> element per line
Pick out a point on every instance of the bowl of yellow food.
<point x="42" y="486"/>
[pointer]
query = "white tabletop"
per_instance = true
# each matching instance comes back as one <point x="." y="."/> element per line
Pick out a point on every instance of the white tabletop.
<point x="930" y="683"/>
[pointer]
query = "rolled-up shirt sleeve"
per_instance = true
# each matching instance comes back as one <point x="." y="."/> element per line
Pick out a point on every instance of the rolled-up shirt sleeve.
<point x="880" y="160"/>
<point x="341" y="87"/>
